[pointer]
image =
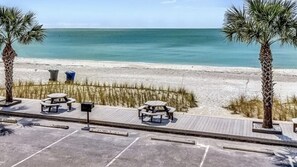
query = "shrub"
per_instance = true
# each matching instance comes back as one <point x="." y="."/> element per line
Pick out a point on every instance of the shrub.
<point x="114" y="94"/>
<point x="253" y="107"/>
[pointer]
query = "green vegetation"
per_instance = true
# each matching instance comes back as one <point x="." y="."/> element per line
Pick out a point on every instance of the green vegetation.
<point x="263" y="22"/>
<point x="253" y="107"/>
<point x="107" y="94"/>
<point x="16" y="26"/>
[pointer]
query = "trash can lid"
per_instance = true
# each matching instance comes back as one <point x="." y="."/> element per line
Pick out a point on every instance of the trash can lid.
<point x="69" y="72"/>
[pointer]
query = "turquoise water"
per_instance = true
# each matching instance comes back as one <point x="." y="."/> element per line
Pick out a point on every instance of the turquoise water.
<point x="169" y="46"/>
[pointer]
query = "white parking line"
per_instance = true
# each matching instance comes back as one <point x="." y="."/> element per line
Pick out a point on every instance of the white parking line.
<point x="204" y="156"/>
<point x="121" y="153"/>
<point x="44" y="149"/>
<point x="201" y="145"/>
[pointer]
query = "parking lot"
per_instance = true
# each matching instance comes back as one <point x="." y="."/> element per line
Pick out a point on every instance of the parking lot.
<point x="32" y="146"/>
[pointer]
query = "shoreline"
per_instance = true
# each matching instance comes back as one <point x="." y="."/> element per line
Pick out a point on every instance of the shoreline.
<point x="123" y="64"/>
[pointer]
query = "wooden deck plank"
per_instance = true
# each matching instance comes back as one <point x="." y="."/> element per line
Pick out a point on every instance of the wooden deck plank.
<point x="183" y="121"/>
<point x="190" y="124"/>
<point x="223" y="126"/>
<point x="180" y="118"/>
<point x="211" y="123"/>
<point x="219" y="127"/>
<point x="226" y="126"/>
<point x="246" y="128"/>
<point x="206" y="124"/>
<point x="240" y="127"/>
<point x="194" y="124"/>
<point x="200" y="124"/>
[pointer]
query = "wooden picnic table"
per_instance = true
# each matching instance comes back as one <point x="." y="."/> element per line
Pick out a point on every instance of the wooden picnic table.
<point x="58" y="96"/>
<point x="157" y="103"/>
<point x="152" y="105"/>
<point x="55" y="99"/>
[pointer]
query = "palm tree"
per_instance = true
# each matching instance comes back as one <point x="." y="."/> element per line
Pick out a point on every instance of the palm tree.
<point x="263" y="22"/>
<point x="16" y="27"/>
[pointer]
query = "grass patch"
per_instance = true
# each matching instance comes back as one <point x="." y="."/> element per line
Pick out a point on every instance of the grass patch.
<point x="107" y="94"/>
<point x="252" y="107"/>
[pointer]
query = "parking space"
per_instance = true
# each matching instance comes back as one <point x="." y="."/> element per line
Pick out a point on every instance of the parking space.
<point x="25" y="141"/>
<point x="158" y="153"/>
<point x="80" y="149"/>
<point x="38" y="146"/>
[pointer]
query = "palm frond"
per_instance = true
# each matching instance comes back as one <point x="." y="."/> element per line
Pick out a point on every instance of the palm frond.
<point x="262" y="21"/>
<point x="17" y="26"/>
<point x="37" y="33"/>
<point x="237" y="25"/>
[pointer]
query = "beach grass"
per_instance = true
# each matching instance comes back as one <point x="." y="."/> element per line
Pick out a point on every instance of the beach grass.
<point x="252" y="107"/>
<point x="113" y="94"/>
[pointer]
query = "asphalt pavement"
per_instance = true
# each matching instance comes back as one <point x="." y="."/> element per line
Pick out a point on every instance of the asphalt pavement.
<point x="25" y="145"/>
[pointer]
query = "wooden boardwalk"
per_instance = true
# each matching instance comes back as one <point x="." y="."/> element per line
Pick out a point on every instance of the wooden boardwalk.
<point x="227" y="128"/>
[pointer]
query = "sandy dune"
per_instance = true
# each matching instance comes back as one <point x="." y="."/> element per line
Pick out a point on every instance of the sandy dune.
<point x="214" y="86"/>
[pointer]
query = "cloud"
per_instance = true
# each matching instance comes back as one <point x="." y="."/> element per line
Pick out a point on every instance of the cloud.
<point x="168" y="2"/>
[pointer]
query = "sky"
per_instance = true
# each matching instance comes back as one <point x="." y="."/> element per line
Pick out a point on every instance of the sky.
<point x="126" y="13"/>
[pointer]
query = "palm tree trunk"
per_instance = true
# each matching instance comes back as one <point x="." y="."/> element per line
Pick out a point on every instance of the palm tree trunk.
<point x="267" y="84"/>
<point x="8" y="56"/>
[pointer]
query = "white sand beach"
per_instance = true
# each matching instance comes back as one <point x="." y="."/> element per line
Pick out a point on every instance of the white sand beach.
<point x="214" y="86"/>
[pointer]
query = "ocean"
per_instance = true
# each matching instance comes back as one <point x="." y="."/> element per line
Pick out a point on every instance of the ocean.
<point x="166" y="46"/>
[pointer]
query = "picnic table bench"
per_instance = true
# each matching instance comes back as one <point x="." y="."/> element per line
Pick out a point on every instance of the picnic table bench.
<point x="140" y="109"/>
<point x="49" y="105"/>
<point x="152" y="114"/>
<point x="171" y="111"/>
<point x="69" y="102"/>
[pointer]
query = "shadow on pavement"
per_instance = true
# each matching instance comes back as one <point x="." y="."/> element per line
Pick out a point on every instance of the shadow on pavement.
<point x="286" y="157"/>
<point x="5" y="131"/>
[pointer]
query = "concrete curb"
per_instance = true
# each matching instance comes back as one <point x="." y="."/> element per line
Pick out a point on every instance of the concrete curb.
<point x="50" y="126"/>
<point x="175" y="140"/>
<point x="110" y="132"/>
<point x="8" y="120"/>
<point x="269" y="152"/>
<point x="157" y="129"/>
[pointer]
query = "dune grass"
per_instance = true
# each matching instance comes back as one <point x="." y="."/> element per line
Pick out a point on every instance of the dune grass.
<point x="252" y="107"/>
<point x="107" y="94"/>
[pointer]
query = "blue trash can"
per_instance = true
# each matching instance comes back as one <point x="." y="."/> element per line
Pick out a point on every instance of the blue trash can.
<point x="70" y="76"/>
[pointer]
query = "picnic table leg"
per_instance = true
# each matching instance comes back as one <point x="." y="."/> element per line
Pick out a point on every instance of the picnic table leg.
<point x="52" y="102"/>
<point x="167" y="112"/>
<point x="153" y="109"/>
